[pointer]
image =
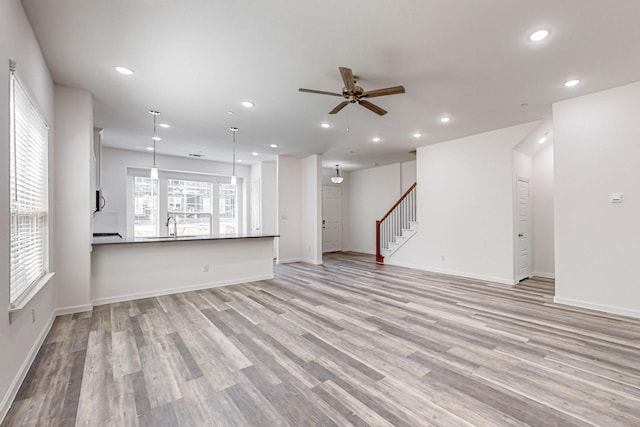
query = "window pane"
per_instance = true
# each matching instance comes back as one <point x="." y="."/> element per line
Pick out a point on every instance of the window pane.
<point x="145" y="199"/>
<point x="228" y="211"/>
<point x="189" y="202"/>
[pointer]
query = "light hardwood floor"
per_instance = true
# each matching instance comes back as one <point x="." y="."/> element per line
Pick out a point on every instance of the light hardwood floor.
<point x="347" y="343"/>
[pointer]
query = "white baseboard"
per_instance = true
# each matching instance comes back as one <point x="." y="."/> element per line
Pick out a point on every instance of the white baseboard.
<point x="169" y="291"/>
<point x="11" y="393"/>
<point x="467" y="275"/>
<point x="545" y="275"/>
<point x="598" y="307"/>
<point x="74" y="309"/>
<point x="289" y="261"/>
<point x="312" y="261"/>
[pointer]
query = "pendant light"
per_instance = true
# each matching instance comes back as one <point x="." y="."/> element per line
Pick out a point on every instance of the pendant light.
<point x="154" y="169"/>
<point x="337" y="179"/>
<point x="233" y="164"/>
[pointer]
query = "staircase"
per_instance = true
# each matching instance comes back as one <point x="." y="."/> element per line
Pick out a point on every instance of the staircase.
<point x="397" y="226"/>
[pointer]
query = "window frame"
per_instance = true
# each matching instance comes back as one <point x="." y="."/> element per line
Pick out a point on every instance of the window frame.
<point x="163" y="177"/>
<point x="37" y="128"/>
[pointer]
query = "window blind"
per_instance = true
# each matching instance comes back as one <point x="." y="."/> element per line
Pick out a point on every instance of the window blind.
<point x="28" y="134"/>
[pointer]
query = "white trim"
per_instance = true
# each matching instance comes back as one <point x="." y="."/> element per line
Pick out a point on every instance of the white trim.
<point x="313" y="261"/>
<point x="31" y="293"/>
<point x="288" y="261"/>
<point x="499" y="280"/>
<point x="74" y="309"/>
<point x="598" y="307"/>
<point x="196" y="287"/>
<point x="12" y="391"/>
<point x="545" y="275"/>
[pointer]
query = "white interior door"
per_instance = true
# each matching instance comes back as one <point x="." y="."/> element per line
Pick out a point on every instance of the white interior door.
<point x="331" y="218"/>
<point x="523" y="262"/>
<point x="256" y="209"/>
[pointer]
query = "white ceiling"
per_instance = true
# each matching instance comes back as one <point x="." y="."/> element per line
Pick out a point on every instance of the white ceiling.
<point x="194" y="60"/>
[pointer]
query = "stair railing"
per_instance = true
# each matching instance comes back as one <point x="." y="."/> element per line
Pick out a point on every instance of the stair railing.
<point x="398" y="217"/>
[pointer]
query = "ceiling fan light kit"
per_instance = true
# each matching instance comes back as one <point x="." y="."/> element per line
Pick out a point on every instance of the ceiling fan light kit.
<point x="356" y="94"/>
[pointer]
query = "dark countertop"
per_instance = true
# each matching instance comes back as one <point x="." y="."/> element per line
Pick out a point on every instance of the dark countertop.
<point x="118" y="241"/>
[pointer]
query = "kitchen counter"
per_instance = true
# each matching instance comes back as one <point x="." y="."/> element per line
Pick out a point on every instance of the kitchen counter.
<point x="126" y="269"/>
<point x="116" y="240"/>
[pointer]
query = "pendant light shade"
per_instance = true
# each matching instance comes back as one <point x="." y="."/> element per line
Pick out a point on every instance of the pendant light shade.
<point x="154" y="168"/>
<point x="233" y="163"/>
<point x="337" y="179"/>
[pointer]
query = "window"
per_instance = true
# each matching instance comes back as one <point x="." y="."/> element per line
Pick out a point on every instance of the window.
<point x="201" y="204"/>
<point x="190" y="205"/>
<point x="28" y="136"/>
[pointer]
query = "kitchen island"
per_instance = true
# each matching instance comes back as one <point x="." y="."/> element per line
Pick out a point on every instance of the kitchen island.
<point x="126" y="269"/>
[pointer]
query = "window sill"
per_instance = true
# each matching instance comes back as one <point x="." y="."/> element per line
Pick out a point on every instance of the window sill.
<point x="30" y="294"/>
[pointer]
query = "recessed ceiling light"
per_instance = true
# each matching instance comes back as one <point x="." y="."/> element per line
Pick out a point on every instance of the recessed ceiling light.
<point x="239" y="160"/>
<point x="231" y="113"/>
<point x="247" y="104"/>
<point x="273" y="145"/>
<point x="254" y="154"/>
<point x="164" y="125"/>
<point x="571" y="83"/>
<point x="150" y="148"/>
<point x="417" y="135"/>
<point x="156" y="138"/>
<point x="376" y="139"/>
<point x="124" y="70"/>
<point x="445" y="119"/>
<point x="539" y="35"/>
<point x="326" y="125"/>
<point x="542" y="140"/>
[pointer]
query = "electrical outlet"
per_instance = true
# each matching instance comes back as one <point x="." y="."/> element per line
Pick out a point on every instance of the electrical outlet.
<point x="205" y="268"/>
<point x="33" y="315"/>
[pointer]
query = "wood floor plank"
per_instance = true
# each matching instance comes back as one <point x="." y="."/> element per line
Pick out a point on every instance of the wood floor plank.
<point x="347" y="343"/>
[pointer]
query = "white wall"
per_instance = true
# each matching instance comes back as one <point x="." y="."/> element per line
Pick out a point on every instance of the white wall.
<point x="289" y="209"/>
<point x="269" y="198"/>
<point x="542" y="200"/>
<point x="408" y="175"/>
<point x="596" y="152"/>
<point x="311" y="209"/>
<point x="114" y="177"/>
<point x="21" y="339"/>
<point x="372" y="192"/>
<point x="74" y="204"/>
<point x="465" y="207"/>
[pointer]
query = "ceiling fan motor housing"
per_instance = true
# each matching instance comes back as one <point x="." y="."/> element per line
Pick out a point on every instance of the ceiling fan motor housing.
<point x="352" y="97"/>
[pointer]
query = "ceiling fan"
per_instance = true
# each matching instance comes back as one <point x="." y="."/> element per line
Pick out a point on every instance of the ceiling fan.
<point x="353" y="93"/>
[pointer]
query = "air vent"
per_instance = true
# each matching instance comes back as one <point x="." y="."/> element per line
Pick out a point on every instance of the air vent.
<point x="196" y="155"/>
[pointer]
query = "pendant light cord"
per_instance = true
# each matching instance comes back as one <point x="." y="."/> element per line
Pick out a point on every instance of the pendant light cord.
<point x="234" y="154"/>
<point x="154" y="138"/>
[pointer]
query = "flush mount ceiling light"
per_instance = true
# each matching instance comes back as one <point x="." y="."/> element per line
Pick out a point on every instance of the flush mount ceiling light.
<point x="233" y="130"/>
<point x="326" y="125"/>
<point x="273" y="145"/>
<point x="154" y="138"/>
<point x="124" y="70"/>
<point x="164" y="125"/>
<point x="337" y="179"/>
<point x="445" y="119"/>
<point x="571" y="83"/>
<point x="539" y="35"/>
<point x="247" y="104"/>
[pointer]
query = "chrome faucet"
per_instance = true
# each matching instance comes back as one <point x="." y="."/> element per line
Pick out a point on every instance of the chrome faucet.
<point x="175" y="227"/>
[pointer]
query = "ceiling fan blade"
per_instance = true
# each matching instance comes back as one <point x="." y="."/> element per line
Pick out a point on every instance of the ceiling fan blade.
<point x="382" y="92"/>
<point x="373" y="107"/>
<point x="339" y="107"/>
<point x="347" y="78"/>
<point x="320" y="92"/>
